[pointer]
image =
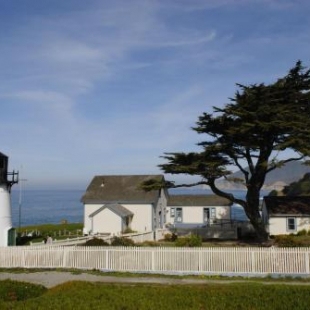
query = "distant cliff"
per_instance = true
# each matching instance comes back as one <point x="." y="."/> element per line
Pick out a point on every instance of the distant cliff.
<point x="275" y="180"/>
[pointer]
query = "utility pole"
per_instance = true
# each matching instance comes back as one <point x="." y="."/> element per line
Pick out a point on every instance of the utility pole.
<point x="20" y="205"/>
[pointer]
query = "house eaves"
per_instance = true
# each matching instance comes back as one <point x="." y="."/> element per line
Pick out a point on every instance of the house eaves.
<point x="116" y="208"/>
<point x="197" y="200"/>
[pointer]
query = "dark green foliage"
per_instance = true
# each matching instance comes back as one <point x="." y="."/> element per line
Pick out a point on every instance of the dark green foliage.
<point x="122" y="241"/>
<point x="16" y="291"/>
<point x="191" y="241"/>
<point x="249" y="133"/>
<point x="273" y="193"/>
<point x="290" y="241"/>
<point x="302" y="232"/>
<point x="171" y="237"/>
<point x="300" y="188"/>
<point x="96" y="242"/>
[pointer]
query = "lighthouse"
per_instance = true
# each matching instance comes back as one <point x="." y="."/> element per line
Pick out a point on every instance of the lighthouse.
<point x="7" y="180"/>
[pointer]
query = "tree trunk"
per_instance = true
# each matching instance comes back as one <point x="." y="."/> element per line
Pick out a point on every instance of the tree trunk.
<point x="252" y="211"/>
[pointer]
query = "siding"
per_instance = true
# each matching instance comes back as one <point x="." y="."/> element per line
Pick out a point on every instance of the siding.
<point x="278" y="225"/>
<point x="194" y="215"/>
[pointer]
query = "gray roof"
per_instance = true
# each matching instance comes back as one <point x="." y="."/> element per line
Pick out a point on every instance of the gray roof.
<point x="288" y="205"/>
<point x="198" y="200"/>
<point x="116" y="208"/>
<point x="120" y="189"/>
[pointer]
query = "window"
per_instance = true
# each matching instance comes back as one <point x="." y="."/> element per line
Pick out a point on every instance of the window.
<point x="178" y="215"/>
<point x="172" y="212"/>
<point x="291" y="223"/>
<point x="208" y="214"/>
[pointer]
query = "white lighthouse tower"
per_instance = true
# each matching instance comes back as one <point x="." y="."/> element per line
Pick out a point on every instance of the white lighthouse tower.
<point x="7" y="179"/>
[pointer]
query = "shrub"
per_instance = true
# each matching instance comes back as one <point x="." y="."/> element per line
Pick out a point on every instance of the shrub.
<point x="96" y="242"/>
<point x="129" y="231"/>
<point x="149" y="243"/>
<point x="191" y="241"/>
<point x="302" y="232"/>
<point x="167" y="237"/>
<point x="287" y="241"/>
<point x="122" y="241"/>
<point x="171" y="237"/>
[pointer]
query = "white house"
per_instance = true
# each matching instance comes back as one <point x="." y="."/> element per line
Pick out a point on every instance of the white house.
<point x="197" y="209"/>
<point x="115" y="203"/>
<point x="286" y="215"/>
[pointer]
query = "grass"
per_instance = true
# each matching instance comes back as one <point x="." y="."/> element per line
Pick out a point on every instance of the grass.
<point x="53" y="228"/>
<point x="263" y="279"/>
<point x="85" y="295"/>
<point x="58" y="231"/>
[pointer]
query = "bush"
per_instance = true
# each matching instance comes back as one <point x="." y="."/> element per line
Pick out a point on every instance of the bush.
<point x="129" y="231"/>
<point x="149" y="243"/>
<point x="171" y="237"/>
<point x="96" y="242"/>
<point x="302" y="232"/>
<point x="122" y="241"/>
<point x="287" y="241"/>
<point x="191" y="241"/>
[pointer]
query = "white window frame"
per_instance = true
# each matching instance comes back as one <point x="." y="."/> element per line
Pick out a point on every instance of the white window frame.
<point x="172" y="212"/>
<point x="178" y="215"/>
<point x="211" y="211"/>
<point x="288" y="224"/>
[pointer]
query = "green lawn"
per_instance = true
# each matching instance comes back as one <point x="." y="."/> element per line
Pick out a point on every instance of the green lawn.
<point x="85" y="295"/>
<point x="53" y="228"/>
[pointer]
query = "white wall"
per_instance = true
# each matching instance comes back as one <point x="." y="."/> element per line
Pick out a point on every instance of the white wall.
<point x="89" y="209"/>
<point x="278" y="225"/>
<point x="5" y="215"/>
<point x="142" y="218"/>
<point x="107" y="221"/>
<point x="141" y="221"/>
<point x="194" y="214"/>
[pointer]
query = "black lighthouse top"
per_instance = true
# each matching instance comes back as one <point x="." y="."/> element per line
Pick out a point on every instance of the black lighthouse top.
<point x="8" y="178"/>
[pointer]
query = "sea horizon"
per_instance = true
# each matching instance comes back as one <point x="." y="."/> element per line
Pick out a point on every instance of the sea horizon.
<point x="52" y="206"/>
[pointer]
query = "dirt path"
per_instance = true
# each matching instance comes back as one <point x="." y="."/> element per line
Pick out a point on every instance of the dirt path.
<point x="52" y="278"/>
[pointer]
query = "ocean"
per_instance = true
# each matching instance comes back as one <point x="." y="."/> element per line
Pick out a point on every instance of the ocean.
<point x="54" y="206"/>
<point x="46" y="207"/>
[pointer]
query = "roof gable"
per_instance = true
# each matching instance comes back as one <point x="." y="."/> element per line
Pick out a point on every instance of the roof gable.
<point x="120" y="188"/>
<point x="197" y="200"/>
<point x="116" y="208"/>
<point x="287" y="205"/>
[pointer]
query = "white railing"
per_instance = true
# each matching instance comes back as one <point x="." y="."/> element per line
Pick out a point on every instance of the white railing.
<point x="68" y="241"/>
<point x="219" y="261"/>
<point x="136" y="237"/>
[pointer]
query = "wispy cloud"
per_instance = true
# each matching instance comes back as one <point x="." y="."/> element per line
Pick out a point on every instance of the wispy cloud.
<point x="111" y="85"/>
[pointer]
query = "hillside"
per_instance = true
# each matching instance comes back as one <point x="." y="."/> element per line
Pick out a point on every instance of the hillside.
<point x="276" y="179"/>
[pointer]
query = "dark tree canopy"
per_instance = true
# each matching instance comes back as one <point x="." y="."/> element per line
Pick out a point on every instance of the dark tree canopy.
<point x="249" y="133"/>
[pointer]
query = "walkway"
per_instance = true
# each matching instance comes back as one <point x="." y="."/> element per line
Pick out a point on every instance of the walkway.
<point x="52" y="278"/>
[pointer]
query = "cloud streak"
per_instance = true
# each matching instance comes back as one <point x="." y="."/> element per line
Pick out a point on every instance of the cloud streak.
<point x="108" y="86"/>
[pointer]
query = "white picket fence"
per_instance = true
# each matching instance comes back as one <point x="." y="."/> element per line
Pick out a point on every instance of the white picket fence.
<point x="215" y="260"/>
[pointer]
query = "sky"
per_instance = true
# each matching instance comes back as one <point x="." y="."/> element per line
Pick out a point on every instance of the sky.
<point x="104" y="87"/>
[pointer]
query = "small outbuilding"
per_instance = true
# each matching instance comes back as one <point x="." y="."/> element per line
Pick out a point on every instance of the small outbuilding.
<point x="114" y="204"/>
<point x="284" y="215"/>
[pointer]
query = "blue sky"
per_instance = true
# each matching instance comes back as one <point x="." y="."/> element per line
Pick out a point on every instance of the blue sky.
<point x="106" y="87"/>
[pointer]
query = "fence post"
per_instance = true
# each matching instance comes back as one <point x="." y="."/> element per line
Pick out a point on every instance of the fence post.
<point x="253" y="261"/>
<point x="107" y="260"/>
<point x="64" y="258"/>
<point x="307" y="262"/>
<point x="153" y="261"/>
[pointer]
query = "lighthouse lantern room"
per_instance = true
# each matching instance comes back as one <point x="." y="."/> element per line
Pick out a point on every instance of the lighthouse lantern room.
<point x="7" y="180"/>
